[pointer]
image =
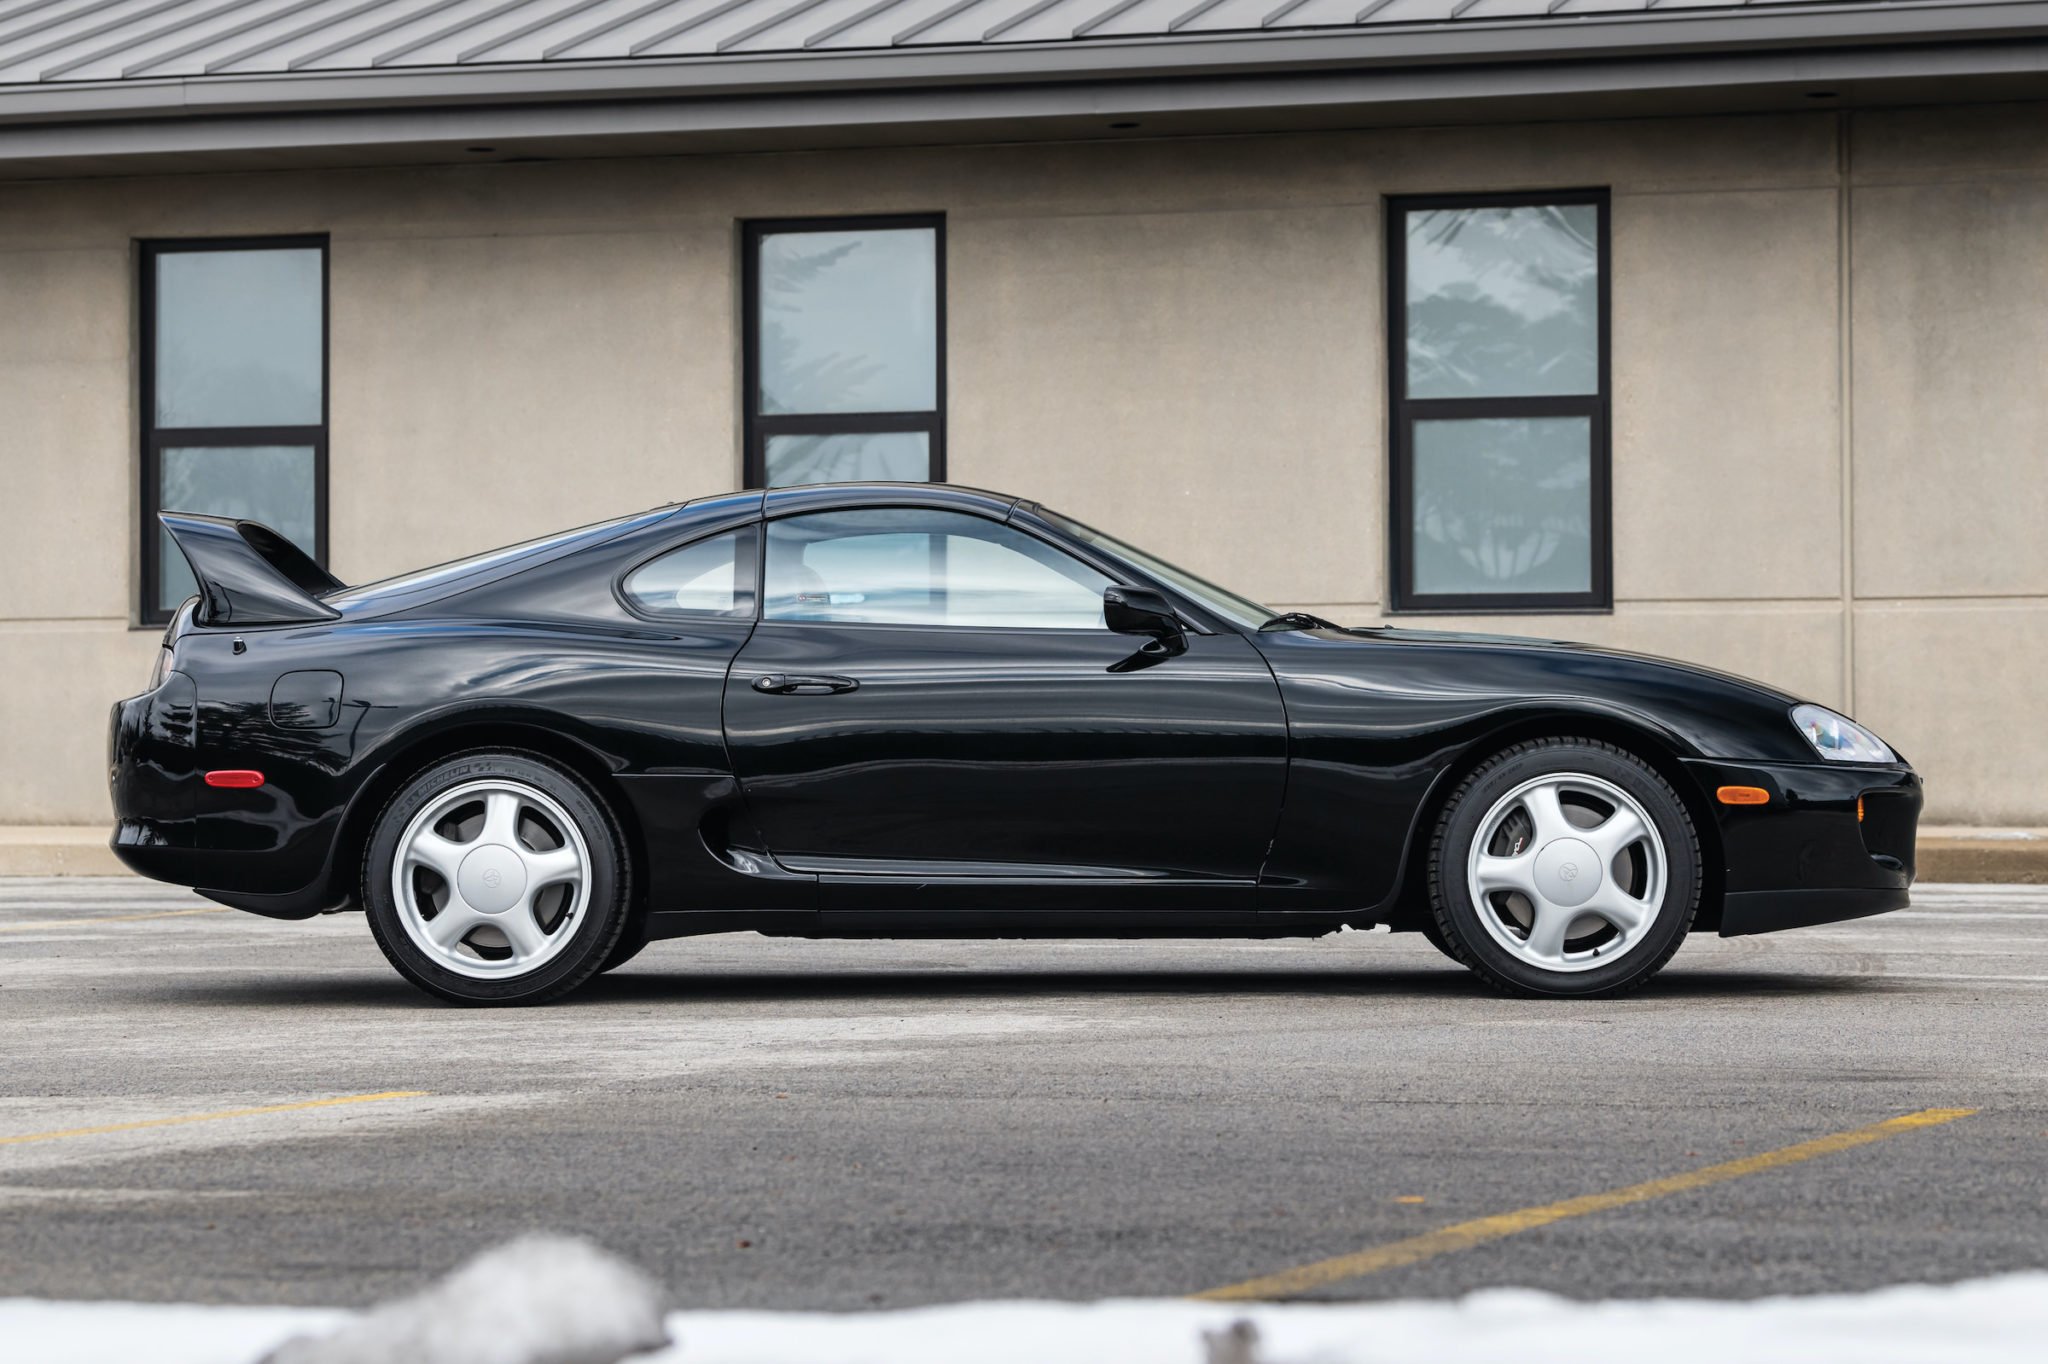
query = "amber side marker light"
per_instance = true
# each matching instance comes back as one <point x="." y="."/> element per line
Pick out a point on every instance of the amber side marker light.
<point x="1743" y="795"/>
<point x="1859" y="809"/>
<point x="234" y="776"/>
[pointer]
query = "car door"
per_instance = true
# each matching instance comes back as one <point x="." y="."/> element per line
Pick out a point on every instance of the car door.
<point x="932" y="698"/>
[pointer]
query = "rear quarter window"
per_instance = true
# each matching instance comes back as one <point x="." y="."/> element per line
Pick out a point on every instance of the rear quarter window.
<point x="709" y="577"/>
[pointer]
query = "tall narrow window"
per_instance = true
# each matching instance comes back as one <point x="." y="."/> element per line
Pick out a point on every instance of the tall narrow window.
<point x="845" y="350"/>
<point x="1499" y="414"/>
<point x="234" y="395"/>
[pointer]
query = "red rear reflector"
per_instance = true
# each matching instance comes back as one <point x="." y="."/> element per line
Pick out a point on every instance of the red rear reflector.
<point x="234" y="776"/>
<point x="1743" y="795"/>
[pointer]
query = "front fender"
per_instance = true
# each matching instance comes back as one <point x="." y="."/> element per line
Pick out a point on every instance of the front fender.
<point x="1379" y="721"/>
<point x="1360" y="807"/>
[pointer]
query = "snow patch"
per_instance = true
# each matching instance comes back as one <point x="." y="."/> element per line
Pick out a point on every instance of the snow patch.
<point x="536" y="1300"/>
<point x="1991" y="1321"/>
<point x="1987" y="1321"/>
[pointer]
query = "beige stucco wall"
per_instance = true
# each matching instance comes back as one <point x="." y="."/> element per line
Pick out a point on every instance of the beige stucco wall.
<point x="1828" y="349"/>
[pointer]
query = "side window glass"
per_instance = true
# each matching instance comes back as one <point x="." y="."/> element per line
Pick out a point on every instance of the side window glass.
<point x="709" y="577"/>
<point x="903" y="566"/>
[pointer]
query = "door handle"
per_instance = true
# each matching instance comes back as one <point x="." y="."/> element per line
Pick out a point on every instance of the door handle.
<point x="803" y="684"/>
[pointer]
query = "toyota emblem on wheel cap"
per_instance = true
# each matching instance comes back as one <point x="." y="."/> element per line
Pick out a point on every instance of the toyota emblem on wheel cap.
<point x="495" y="878"/>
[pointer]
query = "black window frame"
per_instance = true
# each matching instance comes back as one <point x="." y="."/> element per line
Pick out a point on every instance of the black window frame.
<point x="1403" y="412"/>
<point x="156" y="439"/>
<point x="760" y="426"/>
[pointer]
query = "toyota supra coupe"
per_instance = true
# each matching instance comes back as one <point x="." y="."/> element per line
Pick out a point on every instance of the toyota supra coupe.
<point x="883" y="710"/>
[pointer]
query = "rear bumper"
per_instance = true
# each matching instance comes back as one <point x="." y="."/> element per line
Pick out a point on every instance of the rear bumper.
<point x="251" y="849"/>
<point x="207" y="871"/>
<point x="1835" y="841"/>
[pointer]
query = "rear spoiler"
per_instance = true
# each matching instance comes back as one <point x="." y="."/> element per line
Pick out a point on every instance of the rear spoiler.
<point x="248" y="574"/>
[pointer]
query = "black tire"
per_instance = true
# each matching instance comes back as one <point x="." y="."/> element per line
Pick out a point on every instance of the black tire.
<point x="593" y="938"/>
<point x="1435" y="937"/>
<point x="1457" y="916"/>
<point x="630" y="944"/>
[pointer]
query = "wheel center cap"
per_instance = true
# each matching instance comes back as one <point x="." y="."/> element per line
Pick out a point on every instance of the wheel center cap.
<point x="1568" y="872"/>
<point x="492" y="878"/>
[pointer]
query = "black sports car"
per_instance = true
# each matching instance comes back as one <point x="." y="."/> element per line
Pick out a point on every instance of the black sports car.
<point x="923" y="711"/>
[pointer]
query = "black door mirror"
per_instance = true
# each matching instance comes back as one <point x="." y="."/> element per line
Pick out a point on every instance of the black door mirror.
<point x="1142" y="611"/>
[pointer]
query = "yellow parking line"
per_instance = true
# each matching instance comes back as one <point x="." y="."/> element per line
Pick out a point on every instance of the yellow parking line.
<point x="215" y="1117"/>
<point x="85" y="920"/>
<point x="1465" y="1235"/>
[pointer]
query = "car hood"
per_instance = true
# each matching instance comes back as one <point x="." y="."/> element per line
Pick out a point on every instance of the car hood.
<point x="1402" y="635"/>
<point x="1432" y="680"/>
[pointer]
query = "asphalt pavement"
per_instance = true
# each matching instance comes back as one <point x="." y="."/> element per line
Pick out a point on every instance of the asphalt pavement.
<point x="202" y="1105"/>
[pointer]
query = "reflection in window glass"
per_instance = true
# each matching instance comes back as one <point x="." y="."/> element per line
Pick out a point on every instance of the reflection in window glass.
<point x="1503" y="302"/>
<point x="911" y="567"/>
<point x="1239" y="611"/>
<point x="1503" y="505"/>
<point x="1500" y="405"/>
<point x="712" y="577"/>
<point x="849" y="321"/>
<point x="238" y="338"/>
<point x="272" y="484"/>
<point x="845" y="371"/>
<point x="234" y="396"/>
<point x="881" y="456"/>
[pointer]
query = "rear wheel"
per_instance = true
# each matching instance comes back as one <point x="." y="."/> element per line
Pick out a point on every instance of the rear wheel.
<point x="630" y="944"/>
<point x="495" y="878"/>
<point x="1564" y="867"/>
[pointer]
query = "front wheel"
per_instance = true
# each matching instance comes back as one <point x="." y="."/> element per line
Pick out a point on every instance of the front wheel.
<point x="1565" y="867"/>
<point x="495" y="878"/>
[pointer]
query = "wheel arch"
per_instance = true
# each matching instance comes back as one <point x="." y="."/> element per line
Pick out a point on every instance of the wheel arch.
<point x="518" y="733"/>
<point x="1642" y="741"/>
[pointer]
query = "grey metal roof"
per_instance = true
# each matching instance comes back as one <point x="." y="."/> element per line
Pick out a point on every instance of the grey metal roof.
<point x="95" y="87"/>
<point x="43" y="42"/>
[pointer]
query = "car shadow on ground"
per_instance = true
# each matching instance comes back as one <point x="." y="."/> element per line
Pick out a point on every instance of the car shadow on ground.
<point x="646" y="983"/>
<point x="1404" y="983"/>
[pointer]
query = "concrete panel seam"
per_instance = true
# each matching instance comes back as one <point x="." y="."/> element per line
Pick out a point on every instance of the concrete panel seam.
<point x="1845" y="394"/>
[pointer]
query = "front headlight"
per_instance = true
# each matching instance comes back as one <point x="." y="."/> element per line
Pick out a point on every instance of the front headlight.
<point x="1838" y="738"/>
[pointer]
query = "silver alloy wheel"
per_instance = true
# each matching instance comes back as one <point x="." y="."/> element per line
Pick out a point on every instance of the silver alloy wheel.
<point x="491" y="879"/>
<point x="1567" y="872"/>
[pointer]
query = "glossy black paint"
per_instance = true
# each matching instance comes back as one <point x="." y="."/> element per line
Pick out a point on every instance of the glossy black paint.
<point x="1190" y="777"/>
<point x="249" y="574"/>
<point x="1141" y="611"/>
<point x="1035" y="755"/>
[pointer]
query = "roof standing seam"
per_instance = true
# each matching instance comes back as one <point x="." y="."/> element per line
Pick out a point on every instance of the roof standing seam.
<point x="854" y="20"/>
<point x="269" y="16"/>
<point x="412" y="45"/>
<point x="47" y="42"/>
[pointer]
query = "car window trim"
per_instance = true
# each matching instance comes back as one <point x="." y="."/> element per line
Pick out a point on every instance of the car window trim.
<point x="697" y="535"/>
<point x="1092" y="631"/>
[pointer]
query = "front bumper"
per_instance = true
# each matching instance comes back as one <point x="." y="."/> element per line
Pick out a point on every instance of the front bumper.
<point x="1835" y="841"/>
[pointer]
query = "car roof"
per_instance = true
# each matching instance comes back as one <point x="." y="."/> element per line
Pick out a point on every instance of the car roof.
<point x="824" y="496"/>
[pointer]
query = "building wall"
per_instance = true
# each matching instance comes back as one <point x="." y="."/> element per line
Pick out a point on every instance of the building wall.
<point x="1829" y="341"/>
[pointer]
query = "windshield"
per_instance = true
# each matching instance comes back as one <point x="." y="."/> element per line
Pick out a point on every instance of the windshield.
<point x="1242" y="612"/>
